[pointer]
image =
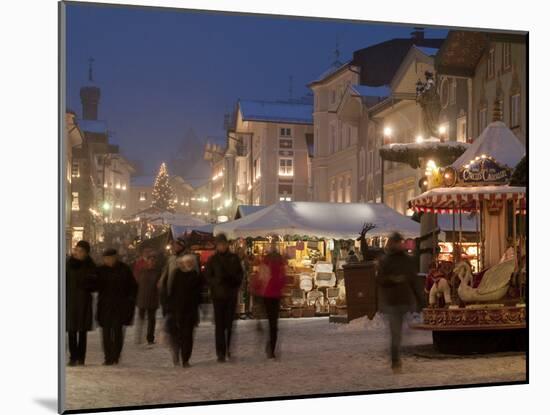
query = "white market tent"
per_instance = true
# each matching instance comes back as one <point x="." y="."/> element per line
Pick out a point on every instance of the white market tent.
<point x="497" y="141"/>
<point x="321" y="220"/>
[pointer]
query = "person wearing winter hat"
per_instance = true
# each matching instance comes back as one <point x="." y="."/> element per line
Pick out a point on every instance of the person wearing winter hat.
<point x="79" y="283"/>
<point x="224" y="275"/>
<point x="182" y="308"/>
<point x="116" y="303"/>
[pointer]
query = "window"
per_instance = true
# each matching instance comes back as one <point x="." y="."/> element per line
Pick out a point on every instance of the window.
<point x="286" y="166"/>
<point x="461" y="133"/>
<point x="444" y="131"/>
<point x="452" y="92"/>
<point x="285" y="143"/>
<point x="506" y="56"/>
<point x="75" y="205"/>
<point x="371" y="162"/>
<point x="515" y="110"/>
<point x="285" y="192"/>
<point x="347" y="137"/>
<point x="332" y="96"/>
<point x="332" y="138"/>
<point x="75" y="169"/>
<point x="347" y="191"/>
<point x="257" y="169"/>
<point x="362" y="163"/>
<point x="285" y="132"/>
<point x="482" y="119"/>
<point x="333" y="190"/>
<point x="340" y="189"/>
<point x="491" y="64"/>
<point x="142" y="196"/>
<point x="316" y="139"/>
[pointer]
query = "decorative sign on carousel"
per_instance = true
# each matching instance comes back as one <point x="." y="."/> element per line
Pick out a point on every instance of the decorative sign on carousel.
<point x="482" y="171"/>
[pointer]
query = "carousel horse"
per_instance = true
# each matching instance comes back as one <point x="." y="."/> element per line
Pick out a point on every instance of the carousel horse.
<point x="492" y="287"/>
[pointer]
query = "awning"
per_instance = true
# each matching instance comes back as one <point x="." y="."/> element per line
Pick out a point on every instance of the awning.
<point x="320" y="220"/>
<point x="465" y="198"/>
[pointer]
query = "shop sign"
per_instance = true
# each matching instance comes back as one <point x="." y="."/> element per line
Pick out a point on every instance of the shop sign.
<point x="484" y="171"/>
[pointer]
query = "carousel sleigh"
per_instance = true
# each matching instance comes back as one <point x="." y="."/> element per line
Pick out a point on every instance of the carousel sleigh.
<point x="493" y="286"/>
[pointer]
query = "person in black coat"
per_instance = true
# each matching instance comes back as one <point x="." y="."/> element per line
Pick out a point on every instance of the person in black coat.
<point x="80" y="277"/>
<point x="224" y="275"/>
<point x="147" y="278"/>
<point x="116" y="301"/>
<point x="396" y="288"/>
<point x="181" y="298"/>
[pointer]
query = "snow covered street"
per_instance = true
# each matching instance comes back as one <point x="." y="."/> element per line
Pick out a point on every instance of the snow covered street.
<point x="315" y="357"/>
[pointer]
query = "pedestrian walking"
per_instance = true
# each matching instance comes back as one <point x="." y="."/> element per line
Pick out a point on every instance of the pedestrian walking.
<point x="269" y="285"/>
<point x="181" y="302"/>
<point x="80" y="280"/>
<point x="116" y="302"/>
<point x="178" y="250"/>
<point x="147" y="278"/>
<point x="397" y="292"/>
<point x="224" y="275"/>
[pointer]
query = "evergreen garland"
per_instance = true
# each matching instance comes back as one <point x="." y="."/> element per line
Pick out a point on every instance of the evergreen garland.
<point x="443" y="154"/>
<point x="519" y="176"/>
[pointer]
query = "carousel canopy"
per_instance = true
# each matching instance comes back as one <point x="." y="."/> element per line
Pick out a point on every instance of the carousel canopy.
<point x="465" y="198"/>
<point x="496" y="141"/>
<point x="320" y="220"/>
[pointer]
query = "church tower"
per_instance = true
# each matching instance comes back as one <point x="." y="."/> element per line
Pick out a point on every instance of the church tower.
<point x="89" y="96"/>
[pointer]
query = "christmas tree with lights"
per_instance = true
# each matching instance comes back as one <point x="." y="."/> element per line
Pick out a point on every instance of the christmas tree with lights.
<point x="163" y="193"/>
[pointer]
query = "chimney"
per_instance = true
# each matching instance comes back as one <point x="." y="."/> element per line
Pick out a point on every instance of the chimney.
<point x="417" y="35"/>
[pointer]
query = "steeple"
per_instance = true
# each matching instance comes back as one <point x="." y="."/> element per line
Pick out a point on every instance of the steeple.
<point x="89" y="95"/>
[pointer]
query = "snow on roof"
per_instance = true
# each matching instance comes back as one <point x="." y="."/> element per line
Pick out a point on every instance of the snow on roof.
<point x="285" y="112"/>
<point x="245" y="210"/>
<point x="142" y="181"/>
<point x="333" y="68"/>
<point x="321" y="220"/>
<point x="497" y="141"/>
<point x="371" y="91"/>
<point x="93" y="126"/>
<point x="427" y="51"/>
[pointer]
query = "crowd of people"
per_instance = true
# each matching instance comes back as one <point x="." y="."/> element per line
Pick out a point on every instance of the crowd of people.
<point x="177" y="287"/>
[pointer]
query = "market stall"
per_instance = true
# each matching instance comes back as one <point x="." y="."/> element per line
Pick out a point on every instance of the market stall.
<point x="315" y="238"/>
<point x="482" y="311"/>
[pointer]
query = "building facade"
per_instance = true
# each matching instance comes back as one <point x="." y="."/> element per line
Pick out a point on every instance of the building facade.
<point x="351" y="101"/>
<point x="266" y="159"/>
<point x="493" y="66"/>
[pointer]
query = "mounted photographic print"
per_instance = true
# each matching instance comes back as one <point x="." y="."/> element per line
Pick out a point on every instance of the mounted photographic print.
<point x="259" y="207"/>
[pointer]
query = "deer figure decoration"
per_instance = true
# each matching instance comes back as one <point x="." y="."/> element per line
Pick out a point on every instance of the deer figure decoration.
<point x="362" y="238"/>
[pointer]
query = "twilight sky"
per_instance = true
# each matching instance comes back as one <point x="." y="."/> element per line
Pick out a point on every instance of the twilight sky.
<point x="162" y="72"/>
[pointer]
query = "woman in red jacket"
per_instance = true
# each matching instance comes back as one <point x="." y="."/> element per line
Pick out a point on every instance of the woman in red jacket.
<point x="269" y="285"/>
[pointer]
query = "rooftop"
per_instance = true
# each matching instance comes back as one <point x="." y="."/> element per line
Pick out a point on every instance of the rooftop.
<point x="283" y="112"/>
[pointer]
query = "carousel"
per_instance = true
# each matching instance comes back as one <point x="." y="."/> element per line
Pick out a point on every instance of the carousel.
<point x="484" y="311"/>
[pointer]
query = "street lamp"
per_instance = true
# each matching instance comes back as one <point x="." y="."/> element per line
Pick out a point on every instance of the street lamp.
<point x="387" y="131"/>
<point x="106" y="206"/>
<point x="419" y="138"/>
